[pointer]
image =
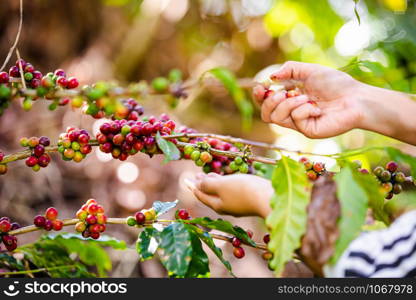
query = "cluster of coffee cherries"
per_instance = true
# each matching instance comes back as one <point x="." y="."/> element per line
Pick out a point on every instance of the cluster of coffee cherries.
<point x="132" y="110"/>
<point x="260" y="168"/>
<point x="198" y="153"/>
<point x="122" y="138"/>
<point x="238" y="250"/>
<point x="9" y="241"/>
<point x="239" y="164"/>
<point x="391" y="179"/>
<point x="313" y="169"/>
<point x="3" y="167"/>
<point x="141" y="217"/>
<point x="92" y="220"/>
<point x="38" y="158"/>
<point x="30" y="74"/>
<point x="49" y="220"/>
<point x="74" y="144"/>
<point x="5" y="91"/>
<point x="267" y="255"/>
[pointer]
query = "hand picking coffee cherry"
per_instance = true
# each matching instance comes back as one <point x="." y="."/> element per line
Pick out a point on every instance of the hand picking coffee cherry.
<point x="49" y="221"/>
<point x="92" y="220"/>
<point x="313" y="170"/>
<point x="391" y="179"/>
<point x="74" y="144"/>
<point x="39" y="158"/>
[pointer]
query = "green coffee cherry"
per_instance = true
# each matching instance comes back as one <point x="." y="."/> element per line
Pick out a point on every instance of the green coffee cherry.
<point x="199" y="163"/>
<point x="160" y="84"/>
<point x="233" y="166"/>
<point x="188" y="149"/>
<point x="238" y="160"/>
<point x="243" y="168"/>
<point x="131" y="221"/>
<point x="195" y="155"/>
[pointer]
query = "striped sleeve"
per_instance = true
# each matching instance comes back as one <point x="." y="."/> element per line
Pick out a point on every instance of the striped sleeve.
<point x="389" y="252"/>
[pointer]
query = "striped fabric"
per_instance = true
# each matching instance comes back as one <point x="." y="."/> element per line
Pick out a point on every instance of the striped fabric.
<point x="389" y="252"/>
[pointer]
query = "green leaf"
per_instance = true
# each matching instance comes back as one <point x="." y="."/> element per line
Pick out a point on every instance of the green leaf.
<point x="8" y="261"/>
<point x="199" y="266"/>
<point x="163" y="207"/>
<point x="288" y="217"/>
<point x="224" y="226"/>
<point x="400" y="157"/>
<point x="354" y="204"/>
<point x="227" y="78"/>
<point x="143" y="243"/>
<point x="168" y="148"/>
<point x="175" y="249"/>
<point x="207" y="239"/>
<point x="356" y="11"/>
<point x="103" y="241"/>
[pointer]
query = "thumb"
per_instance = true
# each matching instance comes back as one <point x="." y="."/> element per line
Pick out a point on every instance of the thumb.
<point x="210" y="201"/>
<point x="292" y="70"/>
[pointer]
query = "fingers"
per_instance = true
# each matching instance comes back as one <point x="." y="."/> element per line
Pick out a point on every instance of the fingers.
<point x="259" y="93"/>
<point x="305" y="111"/>
<point x="293" y="70"/>
<point x="209" y="200"/>
<point x="270" y="104"/>
<point x="208" y="183"/>
<point x="282" y="112"/>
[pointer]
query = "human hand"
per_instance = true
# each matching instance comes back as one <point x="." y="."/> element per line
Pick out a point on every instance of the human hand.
<point x="237" y="195"/>
<point x="329" y="104"/>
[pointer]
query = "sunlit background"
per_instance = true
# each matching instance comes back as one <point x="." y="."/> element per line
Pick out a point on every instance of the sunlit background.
<point x="130" y="40"/>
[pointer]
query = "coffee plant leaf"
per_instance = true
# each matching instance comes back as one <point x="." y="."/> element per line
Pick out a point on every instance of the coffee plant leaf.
<point x="354" y="204"/>
<point x="163" y="207"/>
<point x="224" y="226"/>
<point x="9" y="262"/>
<point x="103" y="241"/>
<point x="230" y="82"/>
<point x="168" y="148"/>
<point x="144" y="247"/>
<point x="175" y="249"/>
<point x="288" y="217"/>
<point x="199" y="266"/>
<point x="208" y="240"/>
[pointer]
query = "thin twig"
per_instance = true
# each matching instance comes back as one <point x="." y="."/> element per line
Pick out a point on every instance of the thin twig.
<point x="19" y="30"/>
<point x="36" y="270"/>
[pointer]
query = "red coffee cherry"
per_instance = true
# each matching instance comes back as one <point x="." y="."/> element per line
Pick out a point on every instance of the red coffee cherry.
<point x="51" y="213"/>
<point x="39" y="221"/>
<point x="140" y="218"/>
<point x="239" y="252"/>
<point x="236" y="242"/>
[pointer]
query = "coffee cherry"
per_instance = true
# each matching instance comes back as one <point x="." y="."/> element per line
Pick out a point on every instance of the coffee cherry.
<point x="385" y="176"/>
<point x="38" y="150"/>
<point x="243" y="168"/>
<point x="51" y="213"/>
<point x="10" y="242"/>
<point x="206" y="157"/>
<point x="399" y="177"/>
<point x="389" y="196"/>
<point x="15" y="226"/>
<point x="3" y="169"/>
<point x="44" y="141"/>
<point x="318" y="167"/>
<point x="239" y="252"/>
<point x="80" y="227"/>
<point x="236" y="242"/>
<point x="57" y="225"/>
<point x="81" y="215"/>
<point x="94" y="235"/>
<point x="387" y="187"/>
<point x="363" y="171"/>
<point x="4" y="77"/>
<point x="131" y="221"/>
<point x="183" y="214"/>
<point x="48" y="225"/>
<point x="95" y="228"/>
<point x="195" y="155"/>
<point x="160" y="84"/>
<point x="397" y="188"/>
<point x="140" y="218"/>
<point x="5" y="226"/>
<point x="312" y="175"/>
<point x="378" y="170"/>
<point x="91" y="219"/>
<point x="101" y="218"/>
<point x="392" y="166"/>
<point x="266" y="238"/>
<point x="31" y="161"/>
<point x="250" y="233"/>
<point x="267" y="255"/>
<point x="238" y="160"/>
<point x="72" y="83"/>
<point x="92" y="209"/>
<point x="39" y="221"/>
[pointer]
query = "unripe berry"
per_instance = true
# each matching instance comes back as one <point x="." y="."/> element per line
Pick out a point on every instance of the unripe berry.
<point x="392" y="166"/>
<point x="385" y="176"/>
<point x="387" y="187"/>
<point x="199" y="163"/>
<point x="36" y="168"/>
<point x="91" y="219"/>
<point x="160" y="84"/>
<point x="397" y="188"/>
<point x="82" y="214"/>
<point x="69" y="153"/>
<point x="140" y="218"/>
<point x="206" y="157"/>
<point x="239" y="252"/>
<point x="233" y="166"/>
<point x="378" y="170"/>
<point x="243" y="168"/>
<point x="51" y="213"/>
<point x="101" y="218"/>
<point x="236" y="242"/>
<point x="125" y="130"/>
<point x="80" y="227"/>
<point x="267" y="255"/>
<point x="195" y="155"/>
<point x="238" y="160"/>
<point x="33" y="142"/>
<point x="399" y="177"/>
<point x="131" y="221"/>
<point x="24" y="142"/>
<point x="188" y="149"/>
<point x="3" y="169"/>
<point x="57" y="225"/>
<point x="39" y="221"/>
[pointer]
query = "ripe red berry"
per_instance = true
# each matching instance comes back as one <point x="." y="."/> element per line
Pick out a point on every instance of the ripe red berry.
<point x="39" y="221"/>
<point x="57" y="225"/>
<point x="4" y="77"/>
<point x="236" y="242"/>
<point x="239" y="252"/>
<point x="91" y="219"/>
<point x="392" y="166"/>
<point x="94" y="228"/>
<point x="15" y="226"/>
<point x="5" y="226"/>
<point x="44" y="141"/>
<point x="183" y="214"/>
<point x="72" y="83"/>
<point x="312" y="175"/>
<point x="92" y="209"/>
<point x="318" y="167"/>
<point x="101" y="218"/>
<point x="48" y="225"/>
<point x="94" y="235"/>
<point x="31" y="161"/>
<point x="83" y="139"/>
<point x="14" y="71"/>
<point x="1" y="156"/>
<point x="51" y="213"/>
<point x="266" y="238"/>
<point x="38" y="150"/>
<point x="10" y="241"/>
<point x="140" y="218"/>
<point x="91" y="201"/>
<point x="250" y="233"/>
<point x="60" y="72"/>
